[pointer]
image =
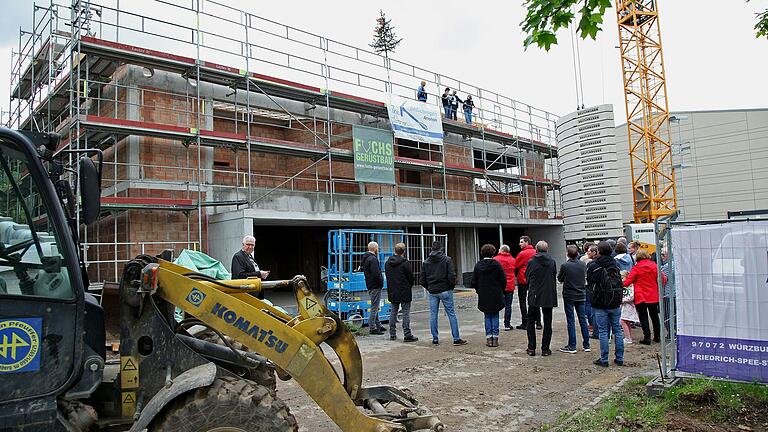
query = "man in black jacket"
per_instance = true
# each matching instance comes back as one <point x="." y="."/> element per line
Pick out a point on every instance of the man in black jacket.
<point x="573" y="275"/>
<point x="399" y="292"/>
<point x="542" y="297"/>
<point x="244" y="265"/>
<point x="439" y="278"/>
<point x="374" y="282"/>
<point x="607" y="320"/>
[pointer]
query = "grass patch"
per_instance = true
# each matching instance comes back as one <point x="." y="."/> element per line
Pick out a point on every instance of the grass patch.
<point x="696" y="403"/>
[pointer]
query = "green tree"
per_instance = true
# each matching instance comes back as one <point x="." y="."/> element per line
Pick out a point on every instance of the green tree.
<point x="384" y="38"/>
<point x="545" y="17"/>
<point x="761" y="28"/>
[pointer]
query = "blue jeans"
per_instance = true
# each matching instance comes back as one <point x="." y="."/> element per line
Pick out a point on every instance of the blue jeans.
<point x="468" y="116"/>
<point x="508" y="297"/>
<point x="569" y="319"/>
<point x="608" y="319"/>
<point x="448" y="111"/>
<point x="491" y="324"/>
<point x="590" y="313"/>
<point x="434" y="306"/>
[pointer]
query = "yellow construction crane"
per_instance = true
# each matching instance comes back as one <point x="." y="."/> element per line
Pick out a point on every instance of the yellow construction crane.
<point x="645" y="95"/>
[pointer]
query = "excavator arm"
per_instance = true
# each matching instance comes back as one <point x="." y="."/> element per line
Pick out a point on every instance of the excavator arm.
<point x="292" y="344"/>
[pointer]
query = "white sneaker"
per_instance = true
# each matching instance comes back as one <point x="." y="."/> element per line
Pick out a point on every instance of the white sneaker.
<point x="628" y="341"/>
<point x="587" y="349"/>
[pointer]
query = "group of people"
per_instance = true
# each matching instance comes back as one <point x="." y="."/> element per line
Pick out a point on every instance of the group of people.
<point x="437" y="276"/>
<point x="450" y="102"/>
<point x="494" y="280"/>
<point x="635" y="298"/>
<point x="609" y="288"/>
<point x="533" y="273"/>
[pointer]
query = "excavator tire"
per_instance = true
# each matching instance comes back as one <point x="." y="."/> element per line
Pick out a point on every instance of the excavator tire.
<point x="262" y="375"/>
<point x="228" y="405"/>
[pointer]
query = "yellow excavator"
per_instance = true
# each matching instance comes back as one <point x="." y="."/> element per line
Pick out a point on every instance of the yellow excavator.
<point x="54" y="371"/>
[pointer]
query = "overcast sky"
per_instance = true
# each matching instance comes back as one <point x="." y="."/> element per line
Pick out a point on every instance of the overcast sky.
<point x="713" y="60"/>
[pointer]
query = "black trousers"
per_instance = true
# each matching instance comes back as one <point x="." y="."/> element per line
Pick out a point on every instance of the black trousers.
<point x="522" y="297"/>
<point x="534" y="316"/>
<point x="652" y="309"/>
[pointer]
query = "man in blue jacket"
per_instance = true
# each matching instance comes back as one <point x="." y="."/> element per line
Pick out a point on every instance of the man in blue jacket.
<point x="421" y="92"/>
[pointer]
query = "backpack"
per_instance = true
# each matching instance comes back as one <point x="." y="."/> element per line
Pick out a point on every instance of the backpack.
<point x="608" y="290"/>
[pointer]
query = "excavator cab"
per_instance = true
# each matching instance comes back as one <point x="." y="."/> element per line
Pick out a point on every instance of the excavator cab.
<point x="170" y="376"/>
<point x="48" y="328"/>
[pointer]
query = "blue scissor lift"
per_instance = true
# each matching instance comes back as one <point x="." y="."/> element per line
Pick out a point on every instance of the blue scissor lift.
<point x="347" y="294"/>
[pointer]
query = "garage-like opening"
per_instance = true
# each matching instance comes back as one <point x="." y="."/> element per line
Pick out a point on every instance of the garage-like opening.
<point x="287" y="251"/>
<point x="491" y="235"/>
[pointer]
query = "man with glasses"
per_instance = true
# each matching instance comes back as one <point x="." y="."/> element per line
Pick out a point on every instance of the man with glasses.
<point x="244" y="264"/>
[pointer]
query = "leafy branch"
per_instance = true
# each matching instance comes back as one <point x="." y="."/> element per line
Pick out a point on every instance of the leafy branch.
<point x="545" y="17"/>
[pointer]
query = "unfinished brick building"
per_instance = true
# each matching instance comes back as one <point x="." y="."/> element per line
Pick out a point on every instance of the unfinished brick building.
<point x="208" y="136"/>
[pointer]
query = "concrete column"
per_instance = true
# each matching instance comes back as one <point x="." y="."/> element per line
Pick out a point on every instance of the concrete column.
<point x="226" y="237"/>
<point x="132" y="110"/>
<point x="554" y="236"/>
<point x="207" y="152"/>
<point x="466" y="248"/>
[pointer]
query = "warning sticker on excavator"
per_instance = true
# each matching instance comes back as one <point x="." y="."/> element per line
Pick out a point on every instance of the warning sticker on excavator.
<point x="129" y="372"/>
<point x="312" y="307"/>
<point x="128" y="402"/>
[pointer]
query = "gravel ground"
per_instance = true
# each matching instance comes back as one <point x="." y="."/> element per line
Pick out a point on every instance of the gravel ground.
<point x="476" y="388"/>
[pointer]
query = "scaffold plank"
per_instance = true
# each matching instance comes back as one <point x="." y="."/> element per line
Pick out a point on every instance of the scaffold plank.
<point x="129" y="203"/>
<point x="283" y="88"/>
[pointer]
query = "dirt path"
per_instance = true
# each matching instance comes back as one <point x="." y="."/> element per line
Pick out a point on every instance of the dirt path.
<point x="476" y="388"/>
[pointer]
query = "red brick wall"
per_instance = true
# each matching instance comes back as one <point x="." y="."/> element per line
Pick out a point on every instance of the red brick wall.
<point x="135" y="227"/>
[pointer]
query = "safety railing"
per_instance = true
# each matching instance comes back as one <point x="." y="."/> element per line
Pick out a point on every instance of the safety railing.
<point x="244" y="41"/>
<point x="105" y="260"/>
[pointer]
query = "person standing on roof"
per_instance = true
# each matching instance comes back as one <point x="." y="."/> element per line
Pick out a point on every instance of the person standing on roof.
<point x="400" y="292"/>
<point x="507" y="262"/>
<point x="468" y="107"/>
<point x="374" y="282"/>
<point x="521" y="264"/>
<point x="446" y="98"/>
<point x="455" y="101"/>
<point x="439" y="278"/>
<point x="421" y="92"/>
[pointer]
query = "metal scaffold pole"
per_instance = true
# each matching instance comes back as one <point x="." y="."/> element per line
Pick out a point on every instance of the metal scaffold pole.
<point x="200" y="104"/>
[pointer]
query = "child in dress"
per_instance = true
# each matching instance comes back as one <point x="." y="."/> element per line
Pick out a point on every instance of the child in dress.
<point x="628" y="311"/>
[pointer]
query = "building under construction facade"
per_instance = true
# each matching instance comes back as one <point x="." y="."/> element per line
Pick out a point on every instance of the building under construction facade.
<point x="216" y="123"/>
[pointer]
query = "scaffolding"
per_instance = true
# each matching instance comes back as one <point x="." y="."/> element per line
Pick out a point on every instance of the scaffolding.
<point x="221" y="109"/>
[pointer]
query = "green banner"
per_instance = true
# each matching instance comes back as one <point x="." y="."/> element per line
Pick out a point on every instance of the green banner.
<point x="374" y="155"/>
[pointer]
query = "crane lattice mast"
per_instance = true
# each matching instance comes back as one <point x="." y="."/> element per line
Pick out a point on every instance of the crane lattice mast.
<point x="645" y="94"/>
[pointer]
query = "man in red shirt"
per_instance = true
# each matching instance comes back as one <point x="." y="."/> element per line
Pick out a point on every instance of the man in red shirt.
<point x="507" y="262"/>
<point x="521" y="264"/>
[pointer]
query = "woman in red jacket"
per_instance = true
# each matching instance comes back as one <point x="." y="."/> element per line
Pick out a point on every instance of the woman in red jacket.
<point x="507" y="262"/>
<point x="644" y="276"/>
